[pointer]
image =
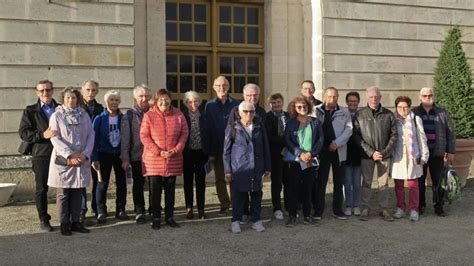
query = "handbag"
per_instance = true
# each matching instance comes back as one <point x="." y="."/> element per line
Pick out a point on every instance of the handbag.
<point x="25" y="147"/>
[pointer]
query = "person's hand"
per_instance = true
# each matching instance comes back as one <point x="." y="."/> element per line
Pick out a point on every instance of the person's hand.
<point x="49" y="133"/>
<point x="125" y="165"/>
<point x="448" y="157"/>
<point x="228" y="177"/>
<point x="377" y="156"/>
<point x="305" y="156"/>
<point x="333" y="146"/>
<point x="164" y="154"/>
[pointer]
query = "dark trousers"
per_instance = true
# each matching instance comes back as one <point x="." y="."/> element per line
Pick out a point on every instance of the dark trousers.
<point x="107" y="161"/>
<point x="93" y="195"/>
<point x="435" y="164"/>
<point x="329" y="159"/>
<point x="158" y="184"/>
<point x="239" y="200"/>
<point x="279" y="179"/>
<point x="298" y="177"/>
<point x="137" y="188"/>
<point x="193" y="171"/>
<point x="41" y="170"/>
<point x="68" y="201"/>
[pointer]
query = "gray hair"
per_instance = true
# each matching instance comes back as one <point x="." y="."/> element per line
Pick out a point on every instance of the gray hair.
<point x="142" y="86"/>
<point x="373" y="88"/>
<point x="90" y="81"/>
<point x="110" y="93"/>
<point x="70" y="90"/>
<point x="247" y="105"/>
<point x="427" y="89"/>
<point x="191" y="95"/>
<point x="251" y="85"/>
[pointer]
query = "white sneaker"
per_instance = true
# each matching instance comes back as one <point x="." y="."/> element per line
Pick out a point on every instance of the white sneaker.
<point x="348" y="211"/>
<point x="235" y="227"/>
<point x="278" y="215"/>
<point x="414" y="215"/>
<point x="357" y="211"/>
<point x="245" y="219"/>
<point x="258" y="226"/>
<point x="399" y="214"/>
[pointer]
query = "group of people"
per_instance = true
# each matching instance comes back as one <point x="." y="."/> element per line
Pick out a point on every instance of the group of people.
<point x="79" y="141"/>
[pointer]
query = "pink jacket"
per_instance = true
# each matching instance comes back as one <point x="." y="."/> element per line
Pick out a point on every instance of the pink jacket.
<point x="163" y="132"/>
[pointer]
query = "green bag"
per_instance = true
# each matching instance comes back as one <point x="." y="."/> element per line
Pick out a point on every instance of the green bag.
<point x="450" y="184"/>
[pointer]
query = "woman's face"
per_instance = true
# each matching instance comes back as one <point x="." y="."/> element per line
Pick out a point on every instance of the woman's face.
<point x="113" y="103"/>
<point x="163" y="103"/>
<point x="246" y="115"/>
<point x="193" y="104"/>
<point x="276" y="105"/>
<point x="403" y="109"/>
<point x="352" y="103"/>
<point x="70" y="100"/>
<point x="301" y="108"/>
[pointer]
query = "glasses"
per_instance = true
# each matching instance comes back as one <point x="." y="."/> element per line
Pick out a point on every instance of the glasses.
<point x="301" y="106"/>
<point x="248" y="112"/>
<point x="44" y="90"/>
<point x="427" y="96"/>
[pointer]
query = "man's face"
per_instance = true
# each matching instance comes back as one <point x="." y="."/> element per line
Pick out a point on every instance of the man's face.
<point x="373" y="98"/>
<point x="89" y="91"/>
<point x="44" y="93"/>
<point x="307" y="90"/>
<point x="330" y="98"/>
<point x="352" y="103"/>
<point x="427" y="98"/>
<point x="276" y="105"/>
<point x="142" y="98"/>
<point x="251" y="95"/>
<point x="221" y="87"/>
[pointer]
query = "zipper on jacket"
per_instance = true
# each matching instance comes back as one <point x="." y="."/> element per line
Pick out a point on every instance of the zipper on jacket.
<point x="251" y="180"/>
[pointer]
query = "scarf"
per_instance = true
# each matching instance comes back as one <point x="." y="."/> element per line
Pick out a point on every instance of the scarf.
<point x="281" y="122"/>
<point x="409" y="134"/>
<point x="72" y="115"/>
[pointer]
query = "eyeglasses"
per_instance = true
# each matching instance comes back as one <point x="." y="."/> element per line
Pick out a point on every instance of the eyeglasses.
<point x="248" y="112"/>
<point x="301" y="106"/>
<point x="44" y="90"/>
<point x="427" y="96"/>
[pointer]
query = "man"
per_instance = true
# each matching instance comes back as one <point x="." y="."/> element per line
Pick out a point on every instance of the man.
<point x="307" y="91"/>
<point x="441" y="142"/>
<point x="337" y="128"/>
<point x="376" y="133"/>
<point x="34" y="128"/>
<point x="89" y="90"/>
<point x="217" y="113"/>
<point x="132" y="147"/>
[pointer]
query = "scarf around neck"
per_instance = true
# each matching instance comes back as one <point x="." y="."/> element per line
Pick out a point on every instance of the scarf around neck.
<point x="409" y="131"/>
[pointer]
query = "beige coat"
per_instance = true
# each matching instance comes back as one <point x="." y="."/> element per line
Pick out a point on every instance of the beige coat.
<point x="70" y="139"/>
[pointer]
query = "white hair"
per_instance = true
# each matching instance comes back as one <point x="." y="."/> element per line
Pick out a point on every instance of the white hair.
<point x="110" y="93"/>
<point x="90" y="81"/>
<point x="426" y="89"/>
<point x="247" y="105"/>
<point x="251" y="85"/>
<point x="140" y="87"/>
<point x="191" y="95"/>
<point x="373" y="88"/>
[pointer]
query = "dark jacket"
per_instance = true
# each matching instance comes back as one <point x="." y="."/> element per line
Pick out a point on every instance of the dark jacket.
<point x="375" y="131"/>
<point x="353" y="149"/>
<point x="260" y="115"/>
<point x="291" y="136"/>
<point x="101" y="129"/>
<point x="216" y="115"/>
<point x="203" y="131"/>
<point x="246" y="157"/>
<point x="445" y="136"/>
<point x="130" y="144"/>
<point x="33" y="124"/>
<point x="277" y="143"/>
<point x="98" y="109"/>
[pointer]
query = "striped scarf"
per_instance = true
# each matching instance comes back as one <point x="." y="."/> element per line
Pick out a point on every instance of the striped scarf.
<point x="409" y="134"/>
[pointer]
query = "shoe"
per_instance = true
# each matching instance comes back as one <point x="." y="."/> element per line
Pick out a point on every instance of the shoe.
<point x="258" y="226"/>
<point x="172" y="223"/>
<point x="156" y="224"/>
<point x="364" y="215"/>
<point x="357" y="211"/>
<point x="66" y="229"/>
<point x="386" y="216"/>
<point x="348" y="211"/>
<point x="339" y="216"/>
<point x="46" y="227"/>
<point x="316" y="217"/>
<point x="122" y="215"/>
<point x="309" y="220"/>
<point x="278" y="215"/>
<point x="102" y="218"/>
<point x="189" y="214"/>
<point x="291" y="221"/>
<point x="82" y="218"/>
<point x="399" y="214"/>
<point x="140" y="218"/>
<point x="223" y="212"/>
<point x="421" y="210"/>
<point x="235" y="227"/>
<point x="414" y="216"/>
<point x="201" y="214"/>
<point x="440" y="212"/>
<point x="245" y="219"/>
<point x="79" y="227"/>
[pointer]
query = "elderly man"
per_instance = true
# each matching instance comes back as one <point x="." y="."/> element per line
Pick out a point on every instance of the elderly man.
<point x="307" y="91"/>
<point x="132" y="147"/>
<point x="34" y="128"/>
<point x="337" y="127"/>
<point x="376" y="133"/>
<point x="217" y="113"/>
<point x="441" y="142"/>
<point x="89" y="90"/>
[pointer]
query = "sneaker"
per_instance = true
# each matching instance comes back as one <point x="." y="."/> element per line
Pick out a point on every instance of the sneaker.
<point x="102" y="218"/>
<point x="414" y="216"/>
<point x="386" y="216"/>
<point x="235" y="227"/>
<point x="223" y="212"/>
<point x="46" y="227"/>
<point x="258" y="226"/>
<point x="278" y="215"/>
<point x="316" y="217"/>
<point x="140" y="218"/>
<point x="309" y="220"/>
<point x="122" y="215"/>
<point x="348" y="211"/>
<point x="357" y="211"/>
<point x="364" y="215"/>
<point x="339" y="216"/>
<point x="291" y="221"/>
<point x="245" y="219"/>
<point x="399" y="214"/>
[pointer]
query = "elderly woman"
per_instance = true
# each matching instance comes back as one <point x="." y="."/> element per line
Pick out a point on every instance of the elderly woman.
<point x="69" y="169"/>
<point x="304" y="140"/>
<point x="408" y="157"/>
<point x="246" y="161"/>
<point x="107" y="155"/>
<point x="164" y="133"/>
<point x="195" y="155"/>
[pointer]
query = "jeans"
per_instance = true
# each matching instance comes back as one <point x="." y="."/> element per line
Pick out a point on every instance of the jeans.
<point x="193" y="170"/>
<point x="352" y="186"/>
<point x="158" y="184"/>
<point x="93" y="195"/>
<point x="41" y="170"/>
<point x="68" y="201"/>
<point x="435" y="164"/>
<point x="295" y="189"/>
<point x="279" y="179"/>
<point x="400" y="193"/>
<point x="137" y="189"/>
<point x="238" y="205"/>
<point x="107" y="161"/>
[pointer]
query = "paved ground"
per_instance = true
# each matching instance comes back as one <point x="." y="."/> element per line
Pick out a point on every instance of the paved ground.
<point x="432" y="240"/>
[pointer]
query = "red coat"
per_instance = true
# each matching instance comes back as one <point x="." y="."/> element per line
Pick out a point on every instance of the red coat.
<point x="163" y="132"/>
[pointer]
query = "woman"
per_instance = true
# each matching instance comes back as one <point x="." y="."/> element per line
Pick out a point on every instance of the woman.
<point x="408" y="157"/>
<point x="163" y="133"/>
<point x="246" y="161"/>
<point x="69" y="169"/>
<point x="107" y="155"/>
<point x="353" y="171"/>
<point x="304" y="140"/>
<point x="195" y="155"/>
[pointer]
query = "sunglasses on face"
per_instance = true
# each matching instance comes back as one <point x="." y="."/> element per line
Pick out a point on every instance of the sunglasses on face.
<point x="301" y="106"/>
<point x="248" y="111"/>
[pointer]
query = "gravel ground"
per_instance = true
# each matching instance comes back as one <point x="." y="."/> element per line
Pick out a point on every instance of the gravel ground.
<point x="432" y="240"/>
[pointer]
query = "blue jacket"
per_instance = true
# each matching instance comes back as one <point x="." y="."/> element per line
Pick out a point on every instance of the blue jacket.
<point x="216" y="115"/>
<point x="291" y="136"/>
<point x="102" y="142"/>
<point x="246" y="157"/>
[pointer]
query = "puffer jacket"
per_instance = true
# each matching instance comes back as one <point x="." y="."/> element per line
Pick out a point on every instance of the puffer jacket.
<point x="131" y="147"/>
<point x="376" y="131"/>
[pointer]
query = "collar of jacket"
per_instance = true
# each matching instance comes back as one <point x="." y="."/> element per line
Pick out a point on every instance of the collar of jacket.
<point x="38" y="106"/>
